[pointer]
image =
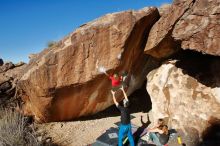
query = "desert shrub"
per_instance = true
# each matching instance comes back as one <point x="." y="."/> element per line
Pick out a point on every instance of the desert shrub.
<point x="51" y="44"/>
<point x="14" y="130"/>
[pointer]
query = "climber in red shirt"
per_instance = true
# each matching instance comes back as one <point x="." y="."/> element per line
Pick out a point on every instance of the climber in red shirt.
<point x="116" y="80"/>
<point x="117" y="83"/>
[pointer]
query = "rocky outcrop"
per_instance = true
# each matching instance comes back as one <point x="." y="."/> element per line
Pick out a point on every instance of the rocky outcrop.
<point x="188" y="24"/>
<point x="186" y="92"/>
<point x="63" y="81"/>
<point x="6" y="67"/>
<point x="179" y="95"/>
<point x="9" y="75"/>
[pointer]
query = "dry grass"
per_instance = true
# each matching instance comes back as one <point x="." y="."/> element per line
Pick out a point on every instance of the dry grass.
<point x="14" y="130"/>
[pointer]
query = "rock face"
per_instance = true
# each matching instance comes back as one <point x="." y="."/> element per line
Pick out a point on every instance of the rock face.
<point x="63" y="81"/>
<point x="183" y="100"/>
<point x="199" y="28"/>
<point x="188" y="24"/>
<point x="9" y="76"/>
<point x="164" y="9"/>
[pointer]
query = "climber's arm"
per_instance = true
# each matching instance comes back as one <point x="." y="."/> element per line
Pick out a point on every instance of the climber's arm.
<point x="125" y="95"/>
<point x="114" y="99"/>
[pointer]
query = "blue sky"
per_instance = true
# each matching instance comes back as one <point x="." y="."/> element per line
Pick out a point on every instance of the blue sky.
<point x="26" y="26"/>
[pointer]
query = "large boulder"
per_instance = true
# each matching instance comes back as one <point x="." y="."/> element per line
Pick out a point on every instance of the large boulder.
<point x="187" y="24"/>
<point x="179" y="95"/>
<point x="63" y="81"/>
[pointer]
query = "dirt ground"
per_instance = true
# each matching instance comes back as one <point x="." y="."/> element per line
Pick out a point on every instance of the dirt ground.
<point x="81" y="133"/>
<point x="85" y="131"/>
